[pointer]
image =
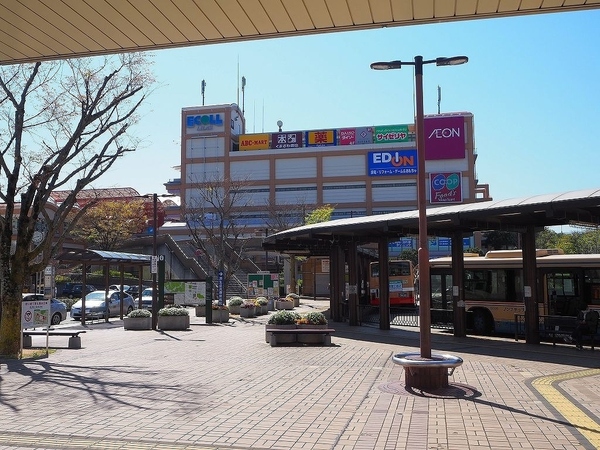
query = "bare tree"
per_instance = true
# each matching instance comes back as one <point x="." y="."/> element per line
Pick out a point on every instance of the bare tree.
<point x="216" y="224"/>
<point x="65" y="124"/>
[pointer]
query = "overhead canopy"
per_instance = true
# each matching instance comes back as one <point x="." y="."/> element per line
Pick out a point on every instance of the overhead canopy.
<point x="103" y="257"/>
<point x="32" y="30"/>
<point x="575" y="207"/>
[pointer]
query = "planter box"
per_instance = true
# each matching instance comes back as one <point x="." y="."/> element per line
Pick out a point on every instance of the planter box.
<point x="234" y="309"/>
<point x="309" y="338"/>
<point x="247" y="312"/>
<point x="173" y="322"/>
<point x="137" y="323"/>
<point x="271" y="305"/>
<point x="220" y="316"/>
<point x="284" y="338"/>
<point x="284" y="304"/>
<point x="201" y="311"/>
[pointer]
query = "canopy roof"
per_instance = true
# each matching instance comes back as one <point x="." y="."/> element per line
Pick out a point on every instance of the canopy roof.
<point x="103" y="257"/>
<point x="576" y="207"/>
<point x="32" y="30"/>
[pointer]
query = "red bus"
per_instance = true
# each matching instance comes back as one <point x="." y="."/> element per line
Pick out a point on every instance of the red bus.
<point x="401" y="281"/>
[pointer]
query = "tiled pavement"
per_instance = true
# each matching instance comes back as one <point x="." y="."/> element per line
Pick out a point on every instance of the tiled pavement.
<point x="222" y="386"/>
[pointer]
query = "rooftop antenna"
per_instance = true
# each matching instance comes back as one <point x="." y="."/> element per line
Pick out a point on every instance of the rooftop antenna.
<point x="243" y="97"/>
<point x="238" y="77"/>
<point x="279" y="124"/>
<point x="439" y="98"/>
<point x="203" y="85"/>
<point x="263" y="117"/>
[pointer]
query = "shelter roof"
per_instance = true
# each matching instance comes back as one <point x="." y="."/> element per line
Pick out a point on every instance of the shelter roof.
<point x="103" y="257"/>
<point x="580" y="207"/>
<point x="59" y="29"/>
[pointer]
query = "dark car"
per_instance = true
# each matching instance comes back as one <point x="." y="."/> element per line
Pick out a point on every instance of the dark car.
<point x="74" y="290"/>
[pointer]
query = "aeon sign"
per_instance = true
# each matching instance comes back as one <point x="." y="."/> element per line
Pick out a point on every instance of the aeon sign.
<point x="204" y="122"/>
<point x="445" y="187"/>
<point x="444" y="137"/>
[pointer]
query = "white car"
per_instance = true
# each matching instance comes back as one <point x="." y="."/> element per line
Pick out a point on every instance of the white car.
<point x="147" y="298"/>
<point x="96" y="308"/>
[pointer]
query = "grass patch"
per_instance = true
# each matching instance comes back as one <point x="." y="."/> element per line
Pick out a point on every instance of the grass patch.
<point x="36" y="353"/>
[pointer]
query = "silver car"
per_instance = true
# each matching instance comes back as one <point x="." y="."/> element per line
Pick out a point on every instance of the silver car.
<point x="58" y="309"/>
<point x="96" y="308"/>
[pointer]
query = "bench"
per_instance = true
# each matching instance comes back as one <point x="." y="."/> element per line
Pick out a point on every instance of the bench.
<point x="324" y="331"/>
<point x="427" y="373"/>
<point x="74" y="339"/>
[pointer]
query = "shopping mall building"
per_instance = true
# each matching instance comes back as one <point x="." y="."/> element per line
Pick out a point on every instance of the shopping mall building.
<point x="362" y="170"/>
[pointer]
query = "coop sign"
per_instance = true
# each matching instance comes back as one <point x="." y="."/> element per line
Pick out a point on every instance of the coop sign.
<point x="204" y="122"/>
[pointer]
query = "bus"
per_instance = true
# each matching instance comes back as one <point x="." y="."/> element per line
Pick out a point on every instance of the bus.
<point x="493" y="286"/>
<point x="401" y="281"/>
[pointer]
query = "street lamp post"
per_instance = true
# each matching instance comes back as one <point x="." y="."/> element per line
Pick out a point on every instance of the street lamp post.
<point x="423" y="255"/>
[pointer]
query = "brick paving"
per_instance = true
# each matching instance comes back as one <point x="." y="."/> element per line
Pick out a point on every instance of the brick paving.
<point x="223" y="387"/>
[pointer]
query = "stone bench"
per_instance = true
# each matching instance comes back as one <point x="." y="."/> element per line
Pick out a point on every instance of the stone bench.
<point x="74" y="338"/>
<point x="325" y="331"/>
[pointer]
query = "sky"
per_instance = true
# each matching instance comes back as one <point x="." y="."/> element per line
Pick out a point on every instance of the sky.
<point x="531" y="83"/>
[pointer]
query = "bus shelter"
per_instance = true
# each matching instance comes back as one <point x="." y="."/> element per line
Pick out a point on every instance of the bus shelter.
<point x="341" y="239"/>
<point x="106" y="259"/>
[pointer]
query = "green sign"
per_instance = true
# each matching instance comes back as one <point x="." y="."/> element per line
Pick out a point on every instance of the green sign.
<point x="263" y="284"/>
<point x="390" y="133"/>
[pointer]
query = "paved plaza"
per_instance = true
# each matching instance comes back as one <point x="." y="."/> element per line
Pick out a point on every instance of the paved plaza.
<point x="222" y="386"/>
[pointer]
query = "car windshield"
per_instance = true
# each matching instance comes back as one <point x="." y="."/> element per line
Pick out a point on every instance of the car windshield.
<point x="98" y="295"/>
<point x="147" y="292"/>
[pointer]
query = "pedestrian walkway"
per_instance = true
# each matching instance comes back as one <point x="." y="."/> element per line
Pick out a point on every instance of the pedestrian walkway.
<point x="222" y="386"/>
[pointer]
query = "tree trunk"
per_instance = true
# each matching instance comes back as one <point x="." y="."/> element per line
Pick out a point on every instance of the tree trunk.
<point x="10" y="325"/>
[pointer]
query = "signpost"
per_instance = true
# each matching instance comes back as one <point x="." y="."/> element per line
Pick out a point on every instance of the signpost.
<point x="35" y="314"/>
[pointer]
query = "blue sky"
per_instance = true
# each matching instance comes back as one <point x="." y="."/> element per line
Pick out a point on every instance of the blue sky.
<point x="531" y="83"/>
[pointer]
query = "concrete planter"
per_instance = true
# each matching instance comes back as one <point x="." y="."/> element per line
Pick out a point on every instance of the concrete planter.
<point x="201" y="311"/>
<point x="220" y="316"/>
<point x="234" y="309"/>
<point x="173" y="322"/>
<point x="137" y="323"/>
<point x="247" y="312"/>
<point x="283" y="338"/>
<point x="284" y="304"/>
<point x="311" y="338"/>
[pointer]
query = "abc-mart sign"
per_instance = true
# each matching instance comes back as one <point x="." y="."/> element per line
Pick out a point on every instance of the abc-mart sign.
<point x="204" y="123"/>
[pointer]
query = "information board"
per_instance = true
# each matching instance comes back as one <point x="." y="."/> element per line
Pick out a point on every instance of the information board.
<point x="35" y="314"/>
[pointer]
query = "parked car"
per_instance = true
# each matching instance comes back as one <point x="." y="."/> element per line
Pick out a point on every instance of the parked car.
<point x="117" y="287"/>
<point x="147" y="298"/>
<point x="74" y="290"/>
<point x="95" y="305"/>
<point x="58" y="309"/>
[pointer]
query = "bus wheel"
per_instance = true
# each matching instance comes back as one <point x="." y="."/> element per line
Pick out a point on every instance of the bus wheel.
<point x="482" y="323"/>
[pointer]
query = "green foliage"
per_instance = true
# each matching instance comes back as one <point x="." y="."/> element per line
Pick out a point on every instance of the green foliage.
<point x="69" y="302"/>
<point x="410" y="254"/>
<point x="235" y="301"/>
<point x="142" y="313"/>
<point x="322" y="214"/>
<point x="474" y="250"/>
<point x="262" y="301"/>
<point x="500" y="240"/>
<point x="580" y="242"/>
<point x="173" y="311"/>
<point x="313" y="318"/>
<point x="292" y="296"/>
<point x="283" y="317"/>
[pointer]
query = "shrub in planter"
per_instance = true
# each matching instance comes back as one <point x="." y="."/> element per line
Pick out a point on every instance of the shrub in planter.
<point x="313" y="319"/>
<point x="282" y="319"/>
<point x="138" y="319"/>
<point x="234" y="304"/>
<point x="293" y="298"/>
<point x="173" y="318"/>
<point x="220" y="313"/>
<point x="139" y="313"/>
<point x="261" y="304"/>
<point x="248" y="309"/>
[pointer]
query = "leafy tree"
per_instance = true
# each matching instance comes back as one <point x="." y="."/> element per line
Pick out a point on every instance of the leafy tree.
<point x="64" y="125"/>
<point x="546" y="238"/>
<point x="320" y="214"/>
<point x="500" y="240"/>
<point x="410" y="254"/>
<point x="109" y="224"/>
<point x="213" y="219"/>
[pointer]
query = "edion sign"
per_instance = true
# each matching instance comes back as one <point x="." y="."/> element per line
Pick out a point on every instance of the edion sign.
<point x="444" y="137"/>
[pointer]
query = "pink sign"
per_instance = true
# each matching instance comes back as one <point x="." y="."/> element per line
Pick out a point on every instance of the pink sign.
<point x="347" y="136"/>
<point x="444" y="137"/>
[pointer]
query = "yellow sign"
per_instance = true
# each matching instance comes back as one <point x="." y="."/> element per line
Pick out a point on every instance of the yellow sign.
<point x="254" y="141"/>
